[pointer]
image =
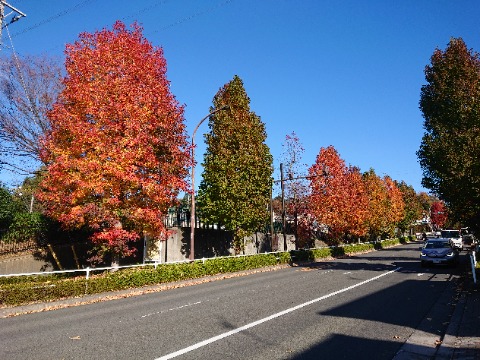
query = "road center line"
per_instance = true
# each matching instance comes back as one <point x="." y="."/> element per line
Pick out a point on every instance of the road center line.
<point x="175" y="308"/>
<point x="268" y="318"/>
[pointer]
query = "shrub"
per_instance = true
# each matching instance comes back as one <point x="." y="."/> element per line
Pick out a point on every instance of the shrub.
<point x="23" y="290"/>
<point x="26" y="226"/>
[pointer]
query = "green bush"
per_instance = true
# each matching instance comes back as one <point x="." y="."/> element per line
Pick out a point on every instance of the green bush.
<point x="23" y="290"/>
<point x="26" y="226"/>
<point x="388" y="243"/>
<point x="355" y="248"/>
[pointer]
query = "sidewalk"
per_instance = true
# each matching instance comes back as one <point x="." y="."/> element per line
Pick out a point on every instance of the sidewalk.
<point x="462" y="335"/>
<point x="462" y="338"/>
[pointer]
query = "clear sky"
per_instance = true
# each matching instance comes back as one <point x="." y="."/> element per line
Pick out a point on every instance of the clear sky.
<point x="345" y="73"/>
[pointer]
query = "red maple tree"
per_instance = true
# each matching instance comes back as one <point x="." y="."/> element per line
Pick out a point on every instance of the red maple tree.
<point x="117" y="154"/>
<point x="357" y="203"/>
<point x="438" y="214"/>
<point x="337" y="198"/>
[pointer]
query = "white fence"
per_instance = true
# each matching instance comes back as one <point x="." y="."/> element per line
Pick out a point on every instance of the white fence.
<point x="155" y="264"/>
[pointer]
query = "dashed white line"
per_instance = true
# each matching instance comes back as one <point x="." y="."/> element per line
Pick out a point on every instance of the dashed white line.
<point x="268" y="318"/>
<point x="175" y="308"/>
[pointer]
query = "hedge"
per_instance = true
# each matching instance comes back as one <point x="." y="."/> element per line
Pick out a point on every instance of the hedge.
<point x="16" y="291"/>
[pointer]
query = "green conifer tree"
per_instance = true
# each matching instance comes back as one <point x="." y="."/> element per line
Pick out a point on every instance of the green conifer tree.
<point x="449" y="152"/>
<point x="237" y="175"/>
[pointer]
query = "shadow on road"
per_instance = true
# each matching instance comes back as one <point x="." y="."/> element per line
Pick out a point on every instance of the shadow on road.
<point x="402" y="305"/>
<point x="349" y="347"/>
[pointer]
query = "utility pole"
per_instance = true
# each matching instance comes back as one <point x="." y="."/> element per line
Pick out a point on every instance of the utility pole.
<point x="17" y="15"/>
<point x="2" y="15"/>
<point x="325" y="173"/>
<point x="284" y="225"/>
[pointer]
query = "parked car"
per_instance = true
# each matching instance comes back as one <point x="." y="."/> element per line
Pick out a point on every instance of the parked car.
<point x="438" y="252"/>
<point x="469" y="241"/>
<point x="454" y="236"/>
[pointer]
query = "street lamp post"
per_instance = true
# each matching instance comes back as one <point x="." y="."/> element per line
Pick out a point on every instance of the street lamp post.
<point x="192" y="206"/>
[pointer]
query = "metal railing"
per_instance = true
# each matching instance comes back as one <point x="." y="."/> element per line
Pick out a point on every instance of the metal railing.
<point x="473" y="262"/>
<point x="155" y="264"/>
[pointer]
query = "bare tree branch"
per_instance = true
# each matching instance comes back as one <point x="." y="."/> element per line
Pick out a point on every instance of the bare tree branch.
<point x="28" y="88"/>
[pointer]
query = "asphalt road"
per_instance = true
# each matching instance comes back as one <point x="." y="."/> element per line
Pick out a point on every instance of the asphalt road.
<point x="362" y="307"/>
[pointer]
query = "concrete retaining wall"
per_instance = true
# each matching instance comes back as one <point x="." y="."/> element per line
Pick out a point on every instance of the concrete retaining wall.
<point x="208" y="243"/>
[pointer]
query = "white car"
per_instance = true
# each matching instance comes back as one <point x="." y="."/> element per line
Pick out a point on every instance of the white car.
<point x="455" y="238"/>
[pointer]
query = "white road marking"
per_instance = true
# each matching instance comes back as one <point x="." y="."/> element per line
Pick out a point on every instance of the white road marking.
<point x="175" y="308"/>
<point x="268" y="318"/>
<point x="346" y="273"/>
<point x="420" y="274"/>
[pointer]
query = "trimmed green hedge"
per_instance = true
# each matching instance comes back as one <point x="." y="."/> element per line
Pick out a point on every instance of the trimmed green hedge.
<point x="23" y="290"/>
<point x="342" y="250"/>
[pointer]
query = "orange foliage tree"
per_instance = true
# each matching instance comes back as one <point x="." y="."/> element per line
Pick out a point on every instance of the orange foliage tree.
<point x="117" y="153"/>
<point x="357" y="210"/>
<point x="337" y="198"/>
<point x="377" y="202"/>
<point x="386" y="205"/>
<point x="395" y="205"/>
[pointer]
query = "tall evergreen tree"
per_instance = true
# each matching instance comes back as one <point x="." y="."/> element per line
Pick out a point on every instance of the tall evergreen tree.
<point x="237" y="175"/>
<point x="450" y="148"/>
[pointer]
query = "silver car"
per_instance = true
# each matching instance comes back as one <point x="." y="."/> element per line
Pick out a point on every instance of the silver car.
<point x="438" y="252"/>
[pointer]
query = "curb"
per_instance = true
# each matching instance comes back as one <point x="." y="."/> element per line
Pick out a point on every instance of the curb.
<point x="450" y="340"/>
<point x="12" y="311"/>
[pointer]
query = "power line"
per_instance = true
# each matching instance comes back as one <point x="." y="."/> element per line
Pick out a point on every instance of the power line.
<point x="193" y="16"/>
<point x="158" y="3"/>
<point x="52" y="18"/>
<point x="145" y="9"/>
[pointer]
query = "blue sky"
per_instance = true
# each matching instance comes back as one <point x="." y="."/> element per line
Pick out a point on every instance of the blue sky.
<point x="343" y="73"/>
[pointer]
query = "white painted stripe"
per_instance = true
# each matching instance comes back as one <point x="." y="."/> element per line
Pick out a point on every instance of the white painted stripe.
<point x="268" y="318"/>
<point x="172" y="309"/>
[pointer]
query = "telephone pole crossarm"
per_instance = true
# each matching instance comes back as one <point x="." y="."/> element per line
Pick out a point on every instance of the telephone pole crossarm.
<point x="18" y="14"/>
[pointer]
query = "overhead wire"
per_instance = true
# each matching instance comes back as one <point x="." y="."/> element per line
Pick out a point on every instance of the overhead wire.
<point x="52" y="18"/>
<point x="145" y="9"/>
<point x="193" y="16"/>
<point x="22" y="80"/>
<point x="162" y="2"/>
